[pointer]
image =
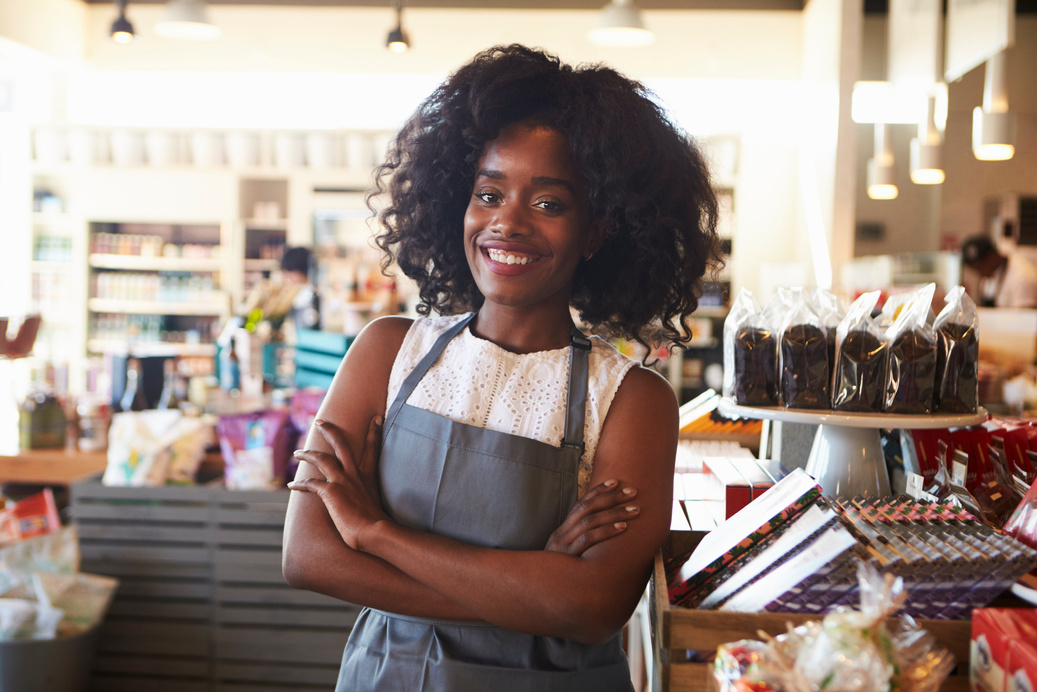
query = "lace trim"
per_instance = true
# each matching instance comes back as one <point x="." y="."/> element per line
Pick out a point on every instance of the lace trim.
<point x="479" y="383"/>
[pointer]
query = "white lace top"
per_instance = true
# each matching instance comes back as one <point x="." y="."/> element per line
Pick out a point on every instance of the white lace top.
<point x="477" y="382"/>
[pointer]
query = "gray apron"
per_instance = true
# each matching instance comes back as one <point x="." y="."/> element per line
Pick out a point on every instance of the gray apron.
<point x="491" y="489"/>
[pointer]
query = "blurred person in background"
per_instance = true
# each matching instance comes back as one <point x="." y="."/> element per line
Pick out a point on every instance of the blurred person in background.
<point x="1006" y="281"/>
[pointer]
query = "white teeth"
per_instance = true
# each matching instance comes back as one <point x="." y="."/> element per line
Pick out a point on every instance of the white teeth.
<point x="506" y="258"/>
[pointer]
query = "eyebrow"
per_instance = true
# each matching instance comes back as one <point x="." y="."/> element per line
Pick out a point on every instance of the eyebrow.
<point x="494" y="174"/>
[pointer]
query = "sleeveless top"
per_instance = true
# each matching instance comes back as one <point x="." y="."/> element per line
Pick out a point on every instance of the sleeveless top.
<point x="478" y="383"/>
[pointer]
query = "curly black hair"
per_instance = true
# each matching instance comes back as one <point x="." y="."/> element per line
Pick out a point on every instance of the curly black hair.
<point x="647" y="180"/>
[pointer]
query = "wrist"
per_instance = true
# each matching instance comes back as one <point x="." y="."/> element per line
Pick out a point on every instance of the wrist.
<point x="370" y="537"/>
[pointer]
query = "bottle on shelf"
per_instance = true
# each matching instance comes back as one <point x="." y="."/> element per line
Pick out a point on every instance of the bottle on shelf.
<point x="41" y="417"/>
<point x="170" y="398"/>
<point x="133" y="398"/>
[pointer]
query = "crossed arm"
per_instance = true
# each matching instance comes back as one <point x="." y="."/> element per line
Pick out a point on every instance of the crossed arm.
<point x="583" y="586"/>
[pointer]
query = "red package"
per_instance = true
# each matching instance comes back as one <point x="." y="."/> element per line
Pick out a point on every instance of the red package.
<point x="993" y="630"/>
<point x="1021" y="665"/>
<point x="37" y="514"/>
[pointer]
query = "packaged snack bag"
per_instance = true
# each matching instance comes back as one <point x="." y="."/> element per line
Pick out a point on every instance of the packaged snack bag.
<point x="831" y="312"/>
<point x="861" y="358"/>
<point x="750" y="354"/>
<point x="256" y="448"/>
<point x="912" y="357"/>
<point x="803" y="356"/>
<point x="957" y="356"/>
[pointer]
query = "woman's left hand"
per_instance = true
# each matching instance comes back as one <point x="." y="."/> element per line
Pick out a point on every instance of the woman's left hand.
<point x="349" y="489"/>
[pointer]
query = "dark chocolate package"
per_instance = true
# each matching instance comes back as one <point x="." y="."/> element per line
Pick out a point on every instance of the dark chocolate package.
<point x="957" y="354"/>
<point x="911" y="382"/>
<point x="861" y="358"/>
<point x="831" y="311"/>
<point x="750" y="355"/>
<point x="803" y="375"/>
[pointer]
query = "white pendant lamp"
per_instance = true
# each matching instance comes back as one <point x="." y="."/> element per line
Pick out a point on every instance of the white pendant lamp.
<point x="882" y="176"/>
<point x="993" y="127"/>
<point x="187" y="20"/>
<point x="926" y="167"/>
<point x="620" y="24"/>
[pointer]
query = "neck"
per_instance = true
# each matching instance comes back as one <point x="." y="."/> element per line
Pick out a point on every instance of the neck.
<point x="520" y="331"/>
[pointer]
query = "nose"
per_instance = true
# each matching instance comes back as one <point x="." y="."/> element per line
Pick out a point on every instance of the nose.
<point x="510" y="219"/>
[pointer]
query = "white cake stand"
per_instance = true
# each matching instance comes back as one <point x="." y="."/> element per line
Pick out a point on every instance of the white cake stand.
<point x="846" y="458"/>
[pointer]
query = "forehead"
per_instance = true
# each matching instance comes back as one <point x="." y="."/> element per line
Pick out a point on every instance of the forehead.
<point x="535" y="146"/>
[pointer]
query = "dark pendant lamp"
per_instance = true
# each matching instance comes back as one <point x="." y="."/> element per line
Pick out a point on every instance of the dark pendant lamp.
<point x="398" y="41"/>
<point x="122" y="29"/>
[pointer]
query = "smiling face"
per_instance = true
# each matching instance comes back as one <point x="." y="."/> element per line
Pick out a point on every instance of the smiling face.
<point x="528" y="222"/>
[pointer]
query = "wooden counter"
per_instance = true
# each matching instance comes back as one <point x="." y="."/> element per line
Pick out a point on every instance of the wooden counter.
<point x="51" y="466"/>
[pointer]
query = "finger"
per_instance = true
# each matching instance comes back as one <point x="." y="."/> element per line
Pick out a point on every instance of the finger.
<point x="309" y="485"/>
<point x="337" y="439"/>
<point x="372" y="445"/>
<point x="328" y="464"/>
<point x="598" y="499"/>
<point x="588" y="539"/>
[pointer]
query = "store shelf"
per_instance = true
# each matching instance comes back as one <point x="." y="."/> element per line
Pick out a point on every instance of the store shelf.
<point x="216" y="306"/>
<point x="141" y="263"/>
<point x="59" y="266"/>
<point x="266" y="224"/>
<point x="149" y="348"/>
<point x="261" y="265"/>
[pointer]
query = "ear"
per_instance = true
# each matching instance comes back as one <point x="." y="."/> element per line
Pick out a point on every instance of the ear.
<point x="595" y="238"/>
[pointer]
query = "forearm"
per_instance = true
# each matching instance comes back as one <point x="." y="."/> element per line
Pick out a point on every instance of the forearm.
<point x="535" y="592"/>
<point x="322" y="563"/>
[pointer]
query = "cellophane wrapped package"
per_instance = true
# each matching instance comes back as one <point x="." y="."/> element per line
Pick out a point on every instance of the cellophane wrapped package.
<point x="861" y="359"/>
<point x="849" y="650"/>
<point x="910" y="386"/>
<point x="750" y="354"/>
<point x="957" y="355"/>
<point x="803" y="380"/>
<point x="831" y="311"/>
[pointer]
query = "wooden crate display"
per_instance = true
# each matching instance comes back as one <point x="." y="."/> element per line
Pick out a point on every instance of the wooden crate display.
<point x="202" y="605"/>
<point x="676" y="630"/>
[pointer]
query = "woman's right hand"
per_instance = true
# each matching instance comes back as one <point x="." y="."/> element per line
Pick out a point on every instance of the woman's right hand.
<point x="603" y="512"/>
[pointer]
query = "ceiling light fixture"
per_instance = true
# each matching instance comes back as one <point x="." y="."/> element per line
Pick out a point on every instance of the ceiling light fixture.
<point x="187" y="20"/>
<point x="122" y="29"/>
<point x="882" y="176"/>
<point x="398" y="41"/>
<point x="993" y="127"/>
<point x="620" y="24"/>
<point x="926" y="168"/>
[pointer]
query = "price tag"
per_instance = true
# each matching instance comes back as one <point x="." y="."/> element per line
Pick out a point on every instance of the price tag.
<point x="958" y="472"/>
<point x="914" y="485"/>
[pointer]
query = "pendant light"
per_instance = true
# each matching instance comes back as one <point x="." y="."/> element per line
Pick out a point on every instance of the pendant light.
<point x="926" y="168"/>
<point x="397" y="41"/>
<point x="882" y="176"/>
<point x="187" y="20"/>
<point x="122" y="29"/>
<point x="993" y="127"/>
<point x="620" y="24"/>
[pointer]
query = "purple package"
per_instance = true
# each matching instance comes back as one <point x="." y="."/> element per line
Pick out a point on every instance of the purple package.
<point x="303" y="408"/>
<point x="256" y="449"/>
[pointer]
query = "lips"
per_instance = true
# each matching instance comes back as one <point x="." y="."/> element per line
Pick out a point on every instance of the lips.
<point x="505" y="257"/>
<point x="509" y="260"/>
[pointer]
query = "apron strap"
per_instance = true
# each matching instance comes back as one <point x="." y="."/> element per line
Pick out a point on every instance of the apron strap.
<point x="576" y="399"/>
<point x="421" y="368"/>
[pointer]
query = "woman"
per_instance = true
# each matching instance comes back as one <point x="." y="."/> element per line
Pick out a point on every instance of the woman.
<point x="440" y="481"/>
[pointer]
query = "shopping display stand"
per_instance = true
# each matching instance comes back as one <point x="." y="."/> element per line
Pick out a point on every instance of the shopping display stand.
<point x="846" y="458"/>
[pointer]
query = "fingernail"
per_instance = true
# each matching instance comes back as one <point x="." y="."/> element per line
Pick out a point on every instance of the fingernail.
<point x="319" y="423"/>
<point x="291" y="484"/>
<point x="620" y="525"/>
<point x="297" y="454"/>
<point x="628" y="491"/>
<point x="609" y="484"/>
<point x="631" y="508"/>
<point x="379" y="420"/>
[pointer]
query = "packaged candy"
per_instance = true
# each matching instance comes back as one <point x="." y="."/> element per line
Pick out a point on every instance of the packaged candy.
<point x="957" y="356"/>
<point x="861" y="359"/>
<point x="256" y="448"/>
<point x="803" y="356"/>
<point x="750" y="354"/>
<point x="831" y="312"/>
<point x="911" y="383"/>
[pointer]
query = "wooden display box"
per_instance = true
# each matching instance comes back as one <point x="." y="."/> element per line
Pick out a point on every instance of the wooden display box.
<point x="202" y="605"/>
<point x="677" y="630"/>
